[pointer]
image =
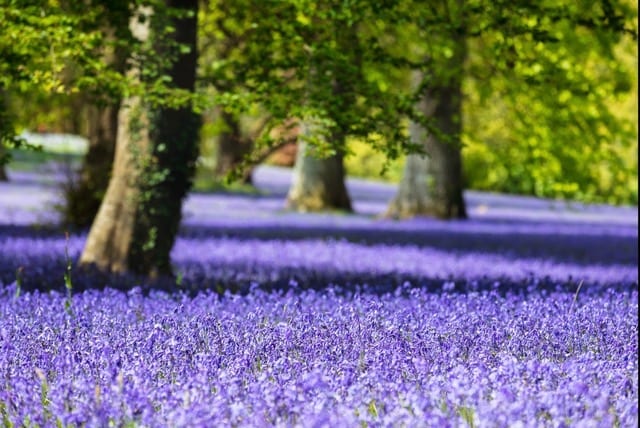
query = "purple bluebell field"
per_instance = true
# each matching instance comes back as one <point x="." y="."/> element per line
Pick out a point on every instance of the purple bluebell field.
<point x="524" y="315"/>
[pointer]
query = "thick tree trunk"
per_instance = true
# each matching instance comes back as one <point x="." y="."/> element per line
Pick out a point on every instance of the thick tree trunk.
<point x="155" y="158"/>
<point x="432" y="185"/>
<point x="318" y="184"/>
<point x="110" y="241"/>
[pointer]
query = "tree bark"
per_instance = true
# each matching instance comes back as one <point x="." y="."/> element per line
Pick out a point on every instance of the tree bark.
<point x="232" y="148"/>
<point x="155" y="157"/>
<point x="318" y="184"/>
<point x="84" y="197"/>
<point x="5" y="130"/>
<point x="432" y="185"/>
<point x="3" y="170"/>
<point x="110" y="241"/>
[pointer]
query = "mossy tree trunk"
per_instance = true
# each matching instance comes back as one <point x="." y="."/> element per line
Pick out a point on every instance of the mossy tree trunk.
<point x="432" y="185"/>
<point x="110" y="241"/>
<point x="156" y="151"/>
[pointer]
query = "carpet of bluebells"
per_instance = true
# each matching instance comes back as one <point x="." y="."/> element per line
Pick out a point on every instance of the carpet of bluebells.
<point x="524" y="315"/>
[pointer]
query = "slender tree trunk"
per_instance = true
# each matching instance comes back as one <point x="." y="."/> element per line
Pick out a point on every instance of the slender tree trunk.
<point x="155" y="158"/>
<point x="84" y="197"/>
<point x="5" y="130"/>
<point x="232" y="148"/>
<point x="432" y="185"/>
<point x="84" y="194"/>
<point x="3" y="170"/>
<point x="318" y="184"/>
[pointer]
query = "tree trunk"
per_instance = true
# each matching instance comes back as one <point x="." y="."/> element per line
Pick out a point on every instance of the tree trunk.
<point x="110" y="241"/>
<point x="232" y="148"/>
<point x="3" y="170"/>
<point x="84" y="197"/>
<point x="432" y="185"/>
<point x="5" y="131"/>
<point x="155" y="157"/>
<point x="318" y="184"/>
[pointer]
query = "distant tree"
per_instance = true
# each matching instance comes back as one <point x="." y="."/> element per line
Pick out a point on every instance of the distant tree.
<point x="545" y="116"/>
<point x="432" y="184"/>
<point x="84" y="194"/>
<point x="318" y="182"/>
<point x="224" y="39"/>
<point x="320" y="65"/>
<point x="156" y="151"/>
<point x="220" y="37"/>
<point x="232" y="146"/>
<point x="522" y="47"/>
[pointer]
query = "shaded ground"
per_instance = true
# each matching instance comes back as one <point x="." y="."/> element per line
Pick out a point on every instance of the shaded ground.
<point x="231" y="240"/>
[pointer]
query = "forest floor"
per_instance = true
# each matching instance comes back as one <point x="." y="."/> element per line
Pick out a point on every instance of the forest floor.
<point x="592" y="243"/>
<point x="523" y="315"/>
<point x="32" y="194"/>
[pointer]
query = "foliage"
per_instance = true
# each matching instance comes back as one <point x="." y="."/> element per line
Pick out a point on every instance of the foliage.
<point x="534" y="60"/>
<point x="309" y="62"/>
<point x="38" y="41"/>
<point x="362" y="160"/>
<point x="557" y="118"/>
<point x="53" y="51"/>
<point x="542" y="80"/>
<point x="47" y="47"/>
<point x="543" y="120"/>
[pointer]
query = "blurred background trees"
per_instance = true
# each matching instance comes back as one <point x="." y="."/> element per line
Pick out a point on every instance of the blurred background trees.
<point x="555" y="114"/>
<point x="537" y="99"/>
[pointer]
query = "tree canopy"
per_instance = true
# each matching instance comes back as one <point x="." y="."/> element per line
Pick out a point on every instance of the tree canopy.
<point x="550" y="70"/>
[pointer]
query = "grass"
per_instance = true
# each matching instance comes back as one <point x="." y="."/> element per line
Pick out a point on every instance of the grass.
<point x="206" y="182"/>
<point x="31" y="160"/>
